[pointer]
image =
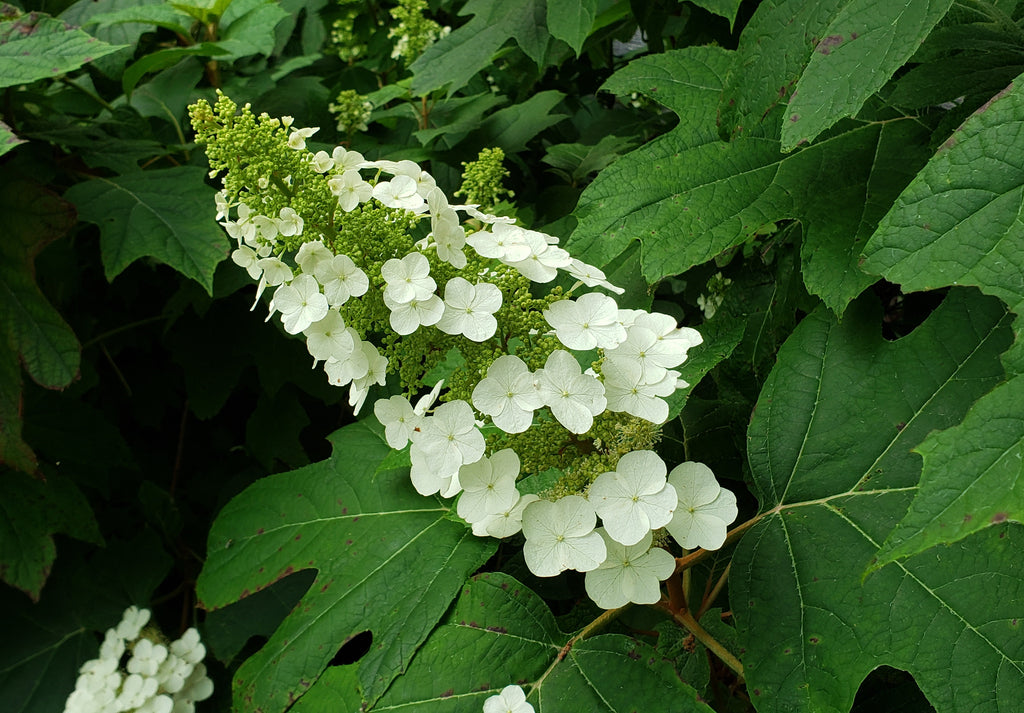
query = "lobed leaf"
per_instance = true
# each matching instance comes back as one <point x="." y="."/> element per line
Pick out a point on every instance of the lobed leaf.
<point x="453" y="60"/>
<point x="855" y="55"/>
<point x="164" y="213"/>
<point x="572" y="21"/>
<point x="32" y="332"/>
<point x="36" y="46"/>
<point x="959" y="221"/>
<point x="505" y="634"/>
<point x="687" y="196"/>
<point x="973" y="477"/>
<point x="387" y="560"/>
<point x="830" y="455"/>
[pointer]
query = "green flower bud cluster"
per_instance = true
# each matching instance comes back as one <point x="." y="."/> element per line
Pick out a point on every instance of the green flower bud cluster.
<point x="344" y="42"/>
<point x="259" y="167"/>
<point x="415" y="32"/>
<point x="483" y="179"/>
<point x="351" y="110"/>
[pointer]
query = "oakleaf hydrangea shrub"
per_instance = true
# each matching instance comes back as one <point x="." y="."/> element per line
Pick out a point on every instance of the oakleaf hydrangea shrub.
<point x="384" y="277"/>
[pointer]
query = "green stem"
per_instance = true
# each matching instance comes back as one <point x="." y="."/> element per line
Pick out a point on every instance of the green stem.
<point x="600" y="622"/>
<point x="712" y="645"/>
<point x="92" y="95"/>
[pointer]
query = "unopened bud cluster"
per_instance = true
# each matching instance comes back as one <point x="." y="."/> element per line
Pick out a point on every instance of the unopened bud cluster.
<point x="140" y="672"/>
<point x="382" y="275"/>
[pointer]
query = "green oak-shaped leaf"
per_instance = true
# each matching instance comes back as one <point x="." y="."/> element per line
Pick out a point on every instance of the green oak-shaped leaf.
<point x="454" y="59"/>
<point x="31" y="512"/>
<point x="36" y="46"/>
<point x="959" y="222"/>
<point x="830" y="455"/>
<point x="865" y="43"/>
<point x="572" y="21"/>
<point x="688" y="196"/>
<point x="32" y="332"/>
<point x="500" y="633"/>
<point x="825" y="57"/>
<point x="166" y="214"/>
<point x="388" y="560"/>
<point x="973" y="476"/>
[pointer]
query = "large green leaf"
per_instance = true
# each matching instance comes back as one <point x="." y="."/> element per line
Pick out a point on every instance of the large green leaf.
<point x="503" y="633"/>
<point x="31" y="513"/>
<point x="388" y="560"/>
<point x="31" y="330"/>
<point x="166" y="214"/>
<point x="973" y="477"/>
<point x="510" y="128"/>
<point x="454" y="60"/>
<point x="572" y="21"/>
<point x="830" y="455"/>
<point x="36" y="46"/>
<point x="861" y="48"/>
<point x="959" y="222"/>
<point x="688" y="196"/>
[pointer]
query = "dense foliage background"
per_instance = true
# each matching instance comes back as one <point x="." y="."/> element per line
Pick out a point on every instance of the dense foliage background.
<point x="830" y="191"/>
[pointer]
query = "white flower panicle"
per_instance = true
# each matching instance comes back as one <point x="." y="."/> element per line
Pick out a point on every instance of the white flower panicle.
<point x="354" y="311"/>
<point x="140" y="674"/>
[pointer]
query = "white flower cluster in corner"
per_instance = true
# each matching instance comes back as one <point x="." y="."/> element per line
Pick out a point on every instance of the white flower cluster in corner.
<point x="136" y="672"/>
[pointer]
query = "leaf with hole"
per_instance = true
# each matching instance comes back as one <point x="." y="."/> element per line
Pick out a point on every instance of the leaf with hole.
<point x="830" y="456"/>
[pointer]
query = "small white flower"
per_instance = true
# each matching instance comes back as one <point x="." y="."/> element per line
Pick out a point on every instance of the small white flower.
<point x="189" y="648"/>
<point x="448" y="234"/>
<point x="705" y="509"/>
<point x="630" y="573"/>
<point x="449" y="438"/>
<point x="469" y="309"/>
<point x="275" y="272"/>
<point x="635" y="499"/>
<point x="573" y="397"/>
<point x="472" y="211"/>
<point x="426" y="402"/>
<point x="560" y="535"/>
<point x="297" y="139"/>
<point x="329" y="339"/>
<point x="510" y="700"/>
<point x="311" y="255"/>
<point x="505" y="242"/>
<point x="505" y="523"/>
<point x="408" y="278"/>
<point x="300" y="303"/>
<point x="321" y="162"/>
<point x="132" y="622"/>
<point x="376" y="373"/>
<point x="590" y="321"/>
<point x="626" y="390"/>
<point x="146" y="658"/>
<point x="351" y="189"/>
<point x="507" y="394"/>
<point x="407" y="317"/>
<point x="399" y="192"/>
<point x="399" y="419"/>
<point x="246" y="257"/>
<point x="341" y="371"/>
<point x="345" y="160"/>
<point x="543" y="261"/>
<point x="489" y="486"/>
<point x="289" y="222"/>
<point x="341" y="279"/>
<point x="591" y="276"/>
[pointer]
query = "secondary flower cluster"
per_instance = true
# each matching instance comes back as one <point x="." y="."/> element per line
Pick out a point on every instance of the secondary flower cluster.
<point x="381" y="274"/>
<point x="138" y="671"/>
